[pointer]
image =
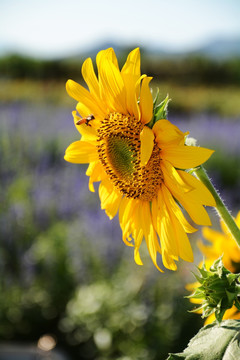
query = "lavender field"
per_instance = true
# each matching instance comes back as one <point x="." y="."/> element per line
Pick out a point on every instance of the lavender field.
<point x="64" y="268"/>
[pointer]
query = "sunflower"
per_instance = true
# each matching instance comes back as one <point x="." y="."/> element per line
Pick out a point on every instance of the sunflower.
<point x="222" y="244"/>
<point x="139" y="158"/>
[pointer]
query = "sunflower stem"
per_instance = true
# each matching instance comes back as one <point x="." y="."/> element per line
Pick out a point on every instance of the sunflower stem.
<point x="221" y="208"/>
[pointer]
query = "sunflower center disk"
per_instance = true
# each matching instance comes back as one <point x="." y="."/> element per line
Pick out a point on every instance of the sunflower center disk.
<point x="119" y="152"/>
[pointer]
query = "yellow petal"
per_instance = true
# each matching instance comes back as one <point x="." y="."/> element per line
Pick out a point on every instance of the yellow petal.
<point x="167" y="237"/>
<point x="183" y="244"/>
<point x="107" y="54"/>
<point x="90" y="78"/>
<point x="105" y="189"/>
<point x="88" y="133"/>
<point x="146" y="101"/>
<point x="80" y="94"/>
<point x="95" y="173"/>
<point x="147" y="143"/>
<point x="125" y="219"/>
<point x="112" y="85"/>
<point x="111" y="206"/>
<point x="168" y="134"/>
<point x="176" y="181"/>
<point x="132" y="65"/>
<point x="149" y="232"/>
<point x="81" y="152"/>
<point x="131" y="74"/>
<point x="194" y="208"/>
<point x="200" y="192"/>
<point x="137" y="232"/>
<point x="185" y="157"/>
<point x="171" y="204"/>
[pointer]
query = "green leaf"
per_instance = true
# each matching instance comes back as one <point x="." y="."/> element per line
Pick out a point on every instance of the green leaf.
<point x="213" y="342"/>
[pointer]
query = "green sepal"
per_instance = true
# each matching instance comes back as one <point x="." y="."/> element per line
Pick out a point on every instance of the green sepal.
<point x="204" y="272"/>
<point x="156" y="98"/>
<point x="231" y="297"/>
<point x="161" y="110"/>
<point x="237" y="304"/>
<point x="218" y="288"/>
<point x="219" y="313"/>
<point x="196" y="295"/>
<point x="232" y="277"/>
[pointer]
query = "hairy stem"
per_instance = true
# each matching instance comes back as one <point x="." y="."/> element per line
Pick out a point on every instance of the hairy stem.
<point x="221" y="208"/>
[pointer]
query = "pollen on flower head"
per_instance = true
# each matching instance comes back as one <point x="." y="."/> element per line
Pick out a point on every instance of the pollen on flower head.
<point x="119" y="152"/>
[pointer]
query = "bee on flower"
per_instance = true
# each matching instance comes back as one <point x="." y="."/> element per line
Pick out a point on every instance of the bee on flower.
<point x="139" y="157"/>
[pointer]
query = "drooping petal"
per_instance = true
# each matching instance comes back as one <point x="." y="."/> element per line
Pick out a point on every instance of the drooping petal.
<point x="185" y="157"/>
<point x="200" y="193"/>
<point x="171" y="204"/>
<point x="146" y="101"/>
<point x="111" y="206"/>
<point x="81" y="152"/>
<point x="183" y="244"/>
<point x="149" y="232"/>
<point x="95" y="173"/>
<point x="168" y="134"/>
<point x="105" y="190"/>
<point x="110" y="198"/>
<point x="194" y="208"/>
<point x="166" y="234"/>
<point x="126" y="218"/>
<point x="137" y="232"/>
<point x="147" y="143"/>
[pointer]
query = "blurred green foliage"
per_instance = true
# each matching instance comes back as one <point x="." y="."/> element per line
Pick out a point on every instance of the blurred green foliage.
<point x="185" y="70"/>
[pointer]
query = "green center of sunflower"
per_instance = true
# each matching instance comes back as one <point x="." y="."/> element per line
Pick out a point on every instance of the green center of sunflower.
<point x="119" y="152"/>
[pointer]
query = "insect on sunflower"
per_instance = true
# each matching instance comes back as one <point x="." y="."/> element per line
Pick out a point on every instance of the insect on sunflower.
<point x="139" y="159"/>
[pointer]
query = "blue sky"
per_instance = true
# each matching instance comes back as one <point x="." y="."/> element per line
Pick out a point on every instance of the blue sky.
<point x="49" y="28"/>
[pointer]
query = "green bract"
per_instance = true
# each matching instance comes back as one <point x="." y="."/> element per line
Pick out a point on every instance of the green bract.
<point x="219" y="290"/>
<point x="159" y="111"/>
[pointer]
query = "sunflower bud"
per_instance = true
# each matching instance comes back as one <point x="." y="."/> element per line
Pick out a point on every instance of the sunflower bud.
<point x="219" y="290"/>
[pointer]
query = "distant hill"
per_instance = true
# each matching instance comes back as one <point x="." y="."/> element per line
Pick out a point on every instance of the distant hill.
<point x="223" y="48"/>
<point x="216" y="49"/>
<point x="219" y="48"/>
